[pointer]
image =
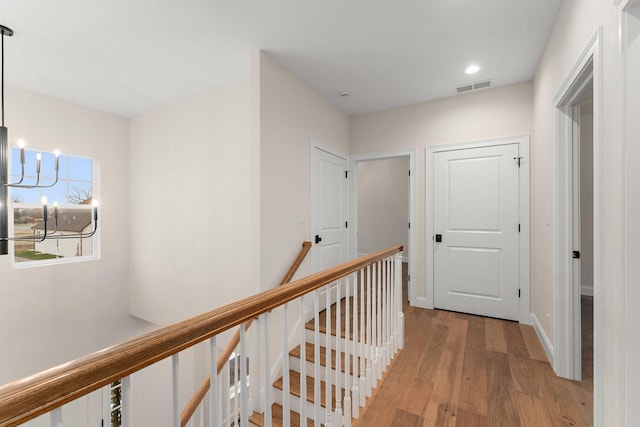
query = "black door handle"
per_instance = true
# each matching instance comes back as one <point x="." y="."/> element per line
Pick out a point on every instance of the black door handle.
<point x="438" y="238"/>
<point x="318" y="239"/>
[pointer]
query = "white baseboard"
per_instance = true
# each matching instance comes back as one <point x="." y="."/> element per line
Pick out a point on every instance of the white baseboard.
<point x="420" y="302"/>
<point x="587" y="290"/>
<point x="544" y="339"/>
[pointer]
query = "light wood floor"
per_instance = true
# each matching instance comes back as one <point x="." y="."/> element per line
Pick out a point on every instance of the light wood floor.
<point x="465" y="371"/>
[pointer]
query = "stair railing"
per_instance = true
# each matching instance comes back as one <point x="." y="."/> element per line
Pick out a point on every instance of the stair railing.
<point x="223" y="361"/>
<point x="376" y="283"/>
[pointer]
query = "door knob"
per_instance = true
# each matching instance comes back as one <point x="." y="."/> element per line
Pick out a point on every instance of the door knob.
<point x="438" y="238"/>
<point x="318" y="239"/>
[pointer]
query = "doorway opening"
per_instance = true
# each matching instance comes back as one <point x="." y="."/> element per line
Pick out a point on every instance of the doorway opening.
<point x="582" y="160"/>
<point x="383" y="207"/>
<point x="578" y="205"/>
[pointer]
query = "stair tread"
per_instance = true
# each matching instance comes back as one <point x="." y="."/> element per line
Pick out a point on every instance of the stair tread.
<point x="277" y="417"/>
<point x="310" y="356"/>
<point x="322" y="316"/>
<point x="294" y="388"/>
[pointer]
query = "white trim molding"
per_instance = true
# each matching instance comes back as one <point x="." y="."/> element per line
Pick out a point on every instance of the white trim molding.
<point x="542" y="336"/>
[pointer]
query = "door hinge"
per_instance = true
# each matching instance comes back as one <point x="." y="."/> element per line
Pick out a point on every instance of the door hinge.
<point x="346" y="224"/>
<point x="518" y="160"/>
<point x="346" y="174"/>
<point x="518" y="293"/>
<point x="408" y="277"/>
<point x="409" y="172"/>
<point x="518" y="228"/>
<point x="409" y="225"/>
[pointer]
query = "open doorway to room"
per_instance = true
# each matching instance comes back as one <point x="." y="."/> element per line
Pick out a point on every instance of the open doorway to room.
<point x="583" y="226"/>
<point x="383" y="207"/>
<point x="577" y="234"/>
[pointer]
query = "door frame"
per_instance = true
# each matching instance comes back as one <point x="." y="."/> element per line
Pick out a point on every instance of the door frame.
<point x="567" y="350"/>
<point x="523" y="142"/>
<point x="353" y="235"/>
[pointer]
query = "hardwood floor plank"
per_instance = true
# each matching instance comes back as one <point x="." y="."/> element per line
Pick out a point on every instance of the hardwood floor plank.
<point x="405" y="419"/>
<point x="557" y="397"/>
<point x="501" y="410"/>
<point x="515" y="341"/>
<point x="532" y="410"/>
<point x="495" y="335"/>
<point x="443" y="404"/>
<point x="527" y="374"/>
<point x="470" y="419"/>
<point x="473" y="390"/>
<point x="431" y="353"/>
<point x="536" y="351"/>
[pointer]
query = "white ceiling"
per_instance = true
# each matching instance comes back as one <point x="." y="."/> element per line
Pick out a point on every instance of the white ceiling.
<point x="130" y="56"/>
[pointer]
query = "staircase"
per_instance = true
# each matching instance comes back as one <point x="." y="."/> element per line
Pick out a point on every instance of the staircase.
<point x="348" y="371"/>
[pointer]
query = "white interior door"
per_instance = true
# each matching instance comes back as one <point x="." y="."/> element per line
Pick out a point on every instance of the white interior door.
<point x="329" y="210"/>
<point x="476" y="231"/>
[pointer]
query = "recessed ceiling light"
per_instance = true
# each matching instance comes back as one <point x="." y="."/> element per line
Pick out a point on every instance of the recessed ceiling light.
<point x="472" y="69"/>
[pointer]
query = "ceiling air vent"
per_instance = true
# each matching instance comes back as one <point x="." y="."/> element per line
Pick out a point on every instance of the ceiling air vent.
<point x="474" y="86"/>
<point x="466" y="88"/>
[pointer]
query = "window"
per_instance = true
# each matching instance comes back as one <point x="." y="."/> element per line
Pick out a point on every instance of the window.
<point x="69" y="208"/>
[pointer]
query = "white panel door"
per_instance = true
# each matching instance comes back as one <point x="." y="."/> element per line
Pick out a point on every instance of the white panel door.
<point x="329" y="210"/>
<point x="476" y="231"/>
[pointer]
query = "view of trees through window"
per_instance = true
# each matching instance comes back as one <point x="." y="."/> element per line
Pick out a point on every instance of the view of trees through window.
<point x="73" y="194"/>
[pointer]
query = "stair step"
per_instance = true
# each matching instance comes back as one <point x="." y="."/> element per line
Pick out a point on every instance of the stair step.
<point x="310" y="356"/>
<point x="277" y="418"/>
<point x="294" y="386"/>
<point x="322" y="320"/>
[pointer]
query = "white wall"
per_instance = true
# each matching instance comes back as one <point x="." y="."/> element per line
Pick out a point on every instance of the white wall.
<point x="191" y="205"/>
<point x="52" y="314"/>
<point x="291" y="116"/>
<point x="577" y="22"/>
<point x="383" y="204"/>
<point x="485" y="114"/>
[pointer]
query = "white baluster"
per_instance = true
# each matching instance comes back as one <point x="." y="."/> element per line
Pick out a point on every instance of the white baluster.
<point x="380" y="344"/>
<point x="328" y="358"/>
<point x="348" y="334"/>
<point x="383" y="313"/>
<point x="370" y="331"/>
<point x="267" y="370"/>
<point x="127" y="401"/>
<point x="214" y="399"/>
<point x="355" y="391"/>
<point x="362" y="345"/>
<point x="387" y="312"/>
<point x="175" y="372"/>
<point x="236" y="386"/>
<point x="400" y="315"/>
<point x="286" y="389"/>
<point x="392" y="304"/>
<point x="55" y="417"/>
<point x="226" y="391"/>
<point x="244" y="391"/>
<point x="316" y="355"/>
<point x="338" y="412"/>
<point x="303" y="368"/>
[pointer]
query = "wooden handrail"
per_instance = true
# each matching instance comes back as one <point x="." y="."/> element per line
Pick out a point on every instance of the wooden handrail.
<point x="202" y="390"/>
<point x="25" y="399"/>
